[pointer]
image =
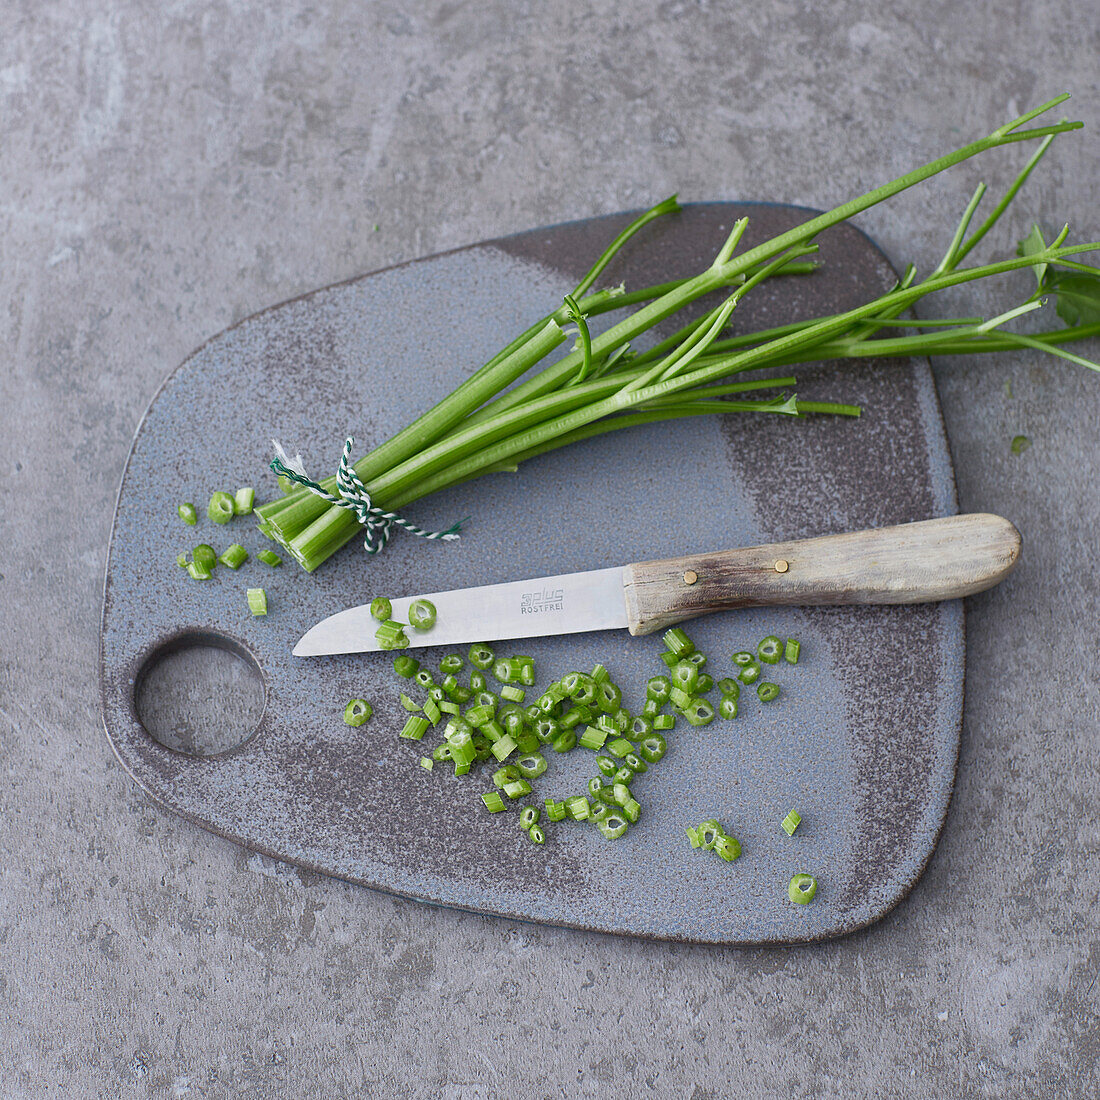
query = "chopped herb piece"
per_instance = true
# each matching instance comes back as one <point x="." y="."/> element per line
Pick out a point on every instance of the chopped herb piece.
<point x="680" y="699"/>
<point x="727" y="707"/>
<point x="427" y="762"/>
<point x="546" y="729"/>
<point x="565" y="741"/>
<point x="481" y="656"/>
<point x="415" y="727"/>
<point x="381" y="609"/>
<point x="685" y="676"/>
<point x="531" y="765"/>
<point x="609" y="697"/>
<point x="586" y="692"/>
<point x="749" y="673"/>
<point x="480" y="715"/>
<point x="678" y="641"/>
<point x="700" y="712"/>
<point x="257" y="601"/>
<point x="728" y="847"/>
<point x="503" y="747"/>
<point x="493" y="730"/>
<point x="517" y="788"/>
<point x="767" y="691"/>
<point x="769" y="650"/>
<point x="198" y="572"/>
<point x="220" y="508"/>
<point x="592" y="738"/>
<point x="607" y="764"/>
<point x="657" y="688"/>
<point x="451" y="664"/>
<point x="203" y="556"/>
<point x="422" y="614"/>
<point x="555" y="811"/>
<point x="234" y="556"/>
<point x="537" y="835"/>
<point x="802" y="888"/>
<point x="653" y="747"/>
<point x="243" y="500"/>
<point x="508" y="774"/>
<point x="406" y="666"/>
<point x="664" y="722"/>
<point x="188" y="513"/>
<point x="528" y="816"/>
<point x="269" y="557"/>
<point x="391" y="635"/>
<point x="1020" y="443"/>
<point x="613" y="826"/>
<point x="792" y="650"/>
<point x="493" y="802"/>
<point x="708" y="832"/>
<point x="357" y="712"/>
<point x="574" y="716"/>
<point x="410" y="704"/>
<point x="791" y="822"/>
<point x="578" y="808"/>
<point x="620" y="794"/>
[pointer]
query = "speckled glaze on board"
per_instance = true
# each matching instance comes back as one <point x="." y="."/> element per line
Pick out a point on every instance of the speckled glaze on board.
<point x="862" y="741"/>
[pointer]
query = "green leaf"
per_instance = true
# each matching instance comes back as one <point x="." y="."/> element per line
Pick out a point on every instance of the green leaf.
<point x="1078" y="297"/>
<point x="1028" y="246"/>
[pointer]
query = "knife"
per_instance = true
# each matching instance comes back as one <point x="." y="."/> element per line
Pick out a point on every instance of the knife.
<point x="935" y="559"/>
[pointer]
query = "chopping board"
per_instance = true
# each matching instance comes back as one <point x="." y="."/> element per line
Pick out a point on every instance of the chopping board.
<point x="862" y="741"/>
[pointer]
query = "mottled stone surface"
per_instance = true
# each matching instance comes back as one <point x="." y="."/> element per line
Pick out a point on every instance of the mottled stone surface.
<point x="168" y="169"/>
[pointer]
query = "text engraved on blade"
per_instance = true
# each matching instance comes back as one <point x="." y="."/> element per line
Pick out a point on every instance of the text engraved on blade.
<point x="541" y="601"/>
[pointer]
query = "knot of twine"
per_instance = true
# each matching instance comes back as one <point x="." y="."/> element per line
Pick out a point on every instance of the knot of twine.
<point x="353" y="495"/>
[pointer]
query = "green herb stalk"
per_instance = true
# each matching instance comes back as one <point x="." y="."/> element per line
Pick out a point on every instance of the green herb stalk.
<point x="602" y="385"/>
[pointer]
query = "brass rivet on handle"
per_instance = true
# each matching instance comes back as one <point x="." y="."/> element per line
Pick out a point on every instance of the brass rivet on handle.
<point x="782" y="566"/>
<point x="690" y="577"/>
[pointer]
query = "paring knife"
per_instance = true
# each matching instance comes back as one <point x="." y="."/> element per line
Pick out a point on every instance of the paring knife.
<point x="936" y="559"/>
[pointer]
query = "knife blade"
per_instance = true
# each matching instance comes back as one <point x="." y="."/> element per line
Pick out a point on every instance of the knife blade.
<point x="936" y="559"/>
<point x="571" y="603"/>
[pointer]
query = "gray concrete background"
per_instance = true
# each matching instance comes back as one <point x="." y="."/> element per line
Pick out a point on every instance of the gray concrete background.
<point x="167" y="169"/>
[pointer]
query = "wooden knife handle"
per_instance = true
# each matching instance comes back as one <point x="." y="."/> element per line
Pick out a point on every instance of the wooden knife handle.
<point x="936" y="559"/>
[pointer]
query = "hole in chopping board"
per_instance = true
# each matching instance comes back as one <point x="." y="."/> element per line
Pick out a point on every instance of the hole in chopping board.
<point x="200" y="695"/>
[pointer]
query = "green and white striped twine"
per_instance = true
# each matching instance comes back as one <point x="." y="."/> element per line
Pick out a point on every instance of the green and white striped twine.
<point x="379" y="523"/>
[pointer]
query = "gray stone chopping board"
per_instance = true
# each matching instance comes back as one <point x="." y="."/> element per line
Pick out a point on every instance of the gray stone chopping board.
<point x="862" y="741"/>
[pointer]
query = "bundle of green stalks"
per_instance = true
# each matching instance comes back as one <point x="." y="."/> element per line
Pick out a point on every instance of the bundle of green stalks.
<point x="489" y="423"/>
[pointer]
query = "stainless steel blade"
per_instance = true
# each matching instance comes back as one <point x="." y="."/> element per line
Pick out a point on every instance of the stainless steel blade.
<point x="568" y="604"/>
